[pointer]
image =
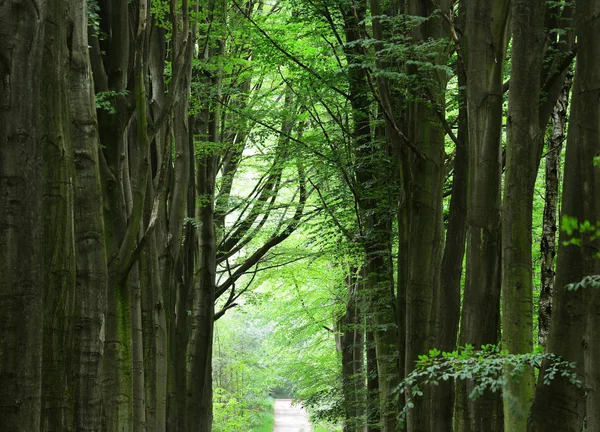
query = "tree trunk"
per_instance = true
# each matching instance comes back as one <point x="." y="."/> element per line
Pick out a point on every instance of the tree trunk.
<point x="448" y="304"/>
<point x="372" y="384"/>
<point x="484" y="50"/>
<point x="550" y="225"/>
<point x="21" y="205"/>
<point x="524" y="146"/>
<point x="422" y="181"/>
<point x="352" y="347"/>
<point x="59" y="242"/>
<point x="199" y="358"/>
<point x="90" y="296"/>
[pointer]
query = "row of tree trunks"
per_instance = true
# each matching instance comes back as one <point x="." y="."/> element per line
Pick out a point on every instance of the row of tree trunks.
<point x="574" y="327"/>
<point x="428" y="313"/>
<point x="422" y="181"/>
<point x="373" y="202"/>
<point x="524" y="146"/>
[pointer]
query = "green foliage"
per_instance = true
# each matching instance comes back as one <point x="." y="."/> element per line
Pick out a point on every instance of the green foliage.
<point x="579" y="231"/>
<point x="590" y="281"/>
<point x="161" y="14"/>
<point x="265" y="420"/>
<point x="94" y="16"/>
<point x="106" y="101"/>
<point x="326" y="405"/>
<point x="487" y="368"/>
<point x="241" y="378"/>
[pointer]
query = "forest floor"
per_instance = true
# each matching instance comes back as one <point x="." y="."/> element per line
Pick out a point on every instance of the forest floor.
<point x="290" y="418"/>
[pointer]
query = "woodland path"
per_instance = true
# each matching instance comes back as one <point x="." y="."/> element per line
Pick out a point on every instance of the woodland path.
<point x="290" y="418"/>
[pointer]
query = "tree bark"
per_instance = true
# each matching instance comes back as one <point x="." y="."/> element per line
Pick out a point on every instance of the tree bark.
<point x="422" y="181"/>
<point x="59" y="241"/>
<point x="21" y="222"/>
<point x="89" y="304"/>
<point x="372" y="383"/>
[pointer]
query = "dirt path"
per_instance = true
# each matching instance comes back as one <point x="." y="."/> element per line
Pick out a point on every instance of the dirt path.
<point x="290" y="418"/>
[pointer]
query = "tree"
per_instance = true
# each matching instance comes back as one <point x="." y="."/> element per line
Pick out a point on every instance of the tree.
<point x="63" y="321"/>
<point x="483" y="57"/>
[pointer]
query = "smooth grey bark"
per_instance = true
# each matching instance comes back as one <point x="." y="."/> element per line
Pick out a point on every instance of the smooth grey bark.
<point x="21" y="201"/>
<point x="574" y="323"/>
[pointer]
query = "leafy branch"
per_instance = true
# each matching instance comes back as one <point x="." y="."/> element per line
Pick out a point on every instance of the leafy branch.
<point x="489" y="369"/>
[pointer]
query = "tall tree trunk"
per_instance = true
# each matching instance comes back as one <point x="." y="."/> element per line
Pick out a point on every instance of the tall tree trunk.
<point x="422" y="180"/>
<point x="448" y="304"/>
<point x="89" y="303"/>
<point x="484" y="49"/>
<point x="574" y="322"/>
<point x="59" y="242"/>
<point x="548" y="242"/>
<point x="524" y="146"/>
<point x="21" y="205"/>
<point x="199" y="358"/>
